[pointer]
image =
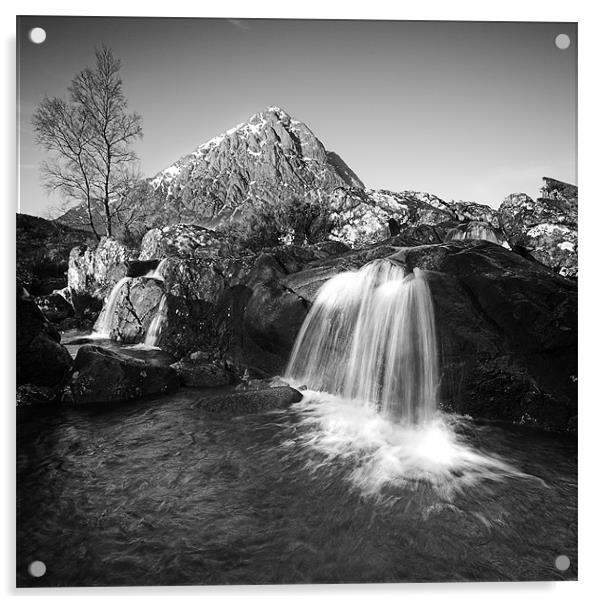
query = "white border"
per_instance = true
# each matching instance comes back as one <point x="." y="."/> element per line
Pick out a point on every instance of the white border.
<point x="588" y="16"/>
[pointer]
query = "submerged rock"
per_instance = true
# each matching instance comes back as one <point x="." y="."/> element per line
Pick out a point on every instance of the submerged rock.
<point x="251" y="401"/>
<point x="105" y="376"/>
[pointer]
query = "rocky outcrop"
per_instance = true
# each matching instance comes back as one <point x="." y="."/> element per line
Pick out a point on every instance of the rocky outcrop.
<point x="43" y="253"/>
<point x="56" y="307"/>
<point x="41" y="359"/>
<point x="251" y="401"/>
<point x="94" y="271"/>
<point x="181" y="240"/>
<point x="197" y="374"/>
<point x="105" y="376"/>
<point x="547" y="228"/>
<point x="137" y="302"/>
<point x="362" y="216"/>
<point x="507" y="327"/>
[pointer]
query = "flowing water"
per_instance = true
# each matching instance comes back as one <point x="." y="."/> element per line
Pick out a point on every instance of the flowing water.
<point x="476" y="231"/>
<point x="104" y="323"/>
<point x="363" y="480"/>
<point x="162" y="492"/>
<point x="370" y="337"/>
<point x="156" y="325"/>
<point x="157" y="273"/>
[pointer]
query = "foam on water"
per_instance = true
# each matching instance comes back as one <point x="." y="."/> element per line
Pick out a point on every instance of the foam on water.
<point x="384" y="456"/>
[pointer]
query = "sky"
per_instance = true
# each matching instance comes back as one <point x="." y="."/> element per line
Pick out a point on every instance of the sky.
<point x="464" y="110"/>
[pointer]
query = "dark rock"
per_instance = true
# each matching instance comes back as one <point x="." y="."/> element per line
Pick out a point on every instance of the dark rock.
<point x="29" y="395"/>
<point x="508" y="333"/>
<point x="251" y="401"/>
<point x="41" y="359"/>
<point x="101" y="375"/>
<point x="56" y="307"/>
<point x="507" y="328"/>
<point x="205" y="375"/>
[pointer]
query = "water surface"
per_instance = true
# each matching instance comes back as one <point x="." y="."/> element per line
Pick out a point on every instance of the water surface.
<point x="159" y="492"/>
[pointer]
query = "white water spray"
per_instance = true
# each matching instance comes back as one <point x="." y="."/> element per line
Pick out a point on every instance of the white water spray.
<point x="370" y="337"/>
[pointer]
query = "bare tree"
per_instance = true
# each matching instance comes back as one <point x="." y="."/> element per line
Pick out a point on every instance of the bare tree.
<point x="64" y="130"/>
<point x="90" y="139"/>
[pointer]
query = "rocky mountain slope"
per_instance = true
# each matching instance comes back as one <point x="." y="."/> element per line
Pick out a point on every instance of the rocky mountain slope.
<point x="256" y="158"/>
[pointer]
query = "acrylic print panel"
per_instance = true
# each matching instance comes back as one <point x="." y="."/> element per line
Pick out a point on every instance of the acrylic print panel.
<point x="296" y="302"/>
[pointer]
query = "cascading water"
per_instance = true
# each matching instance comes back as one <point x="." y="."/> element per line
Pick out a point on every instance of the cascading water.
<point x="154" y="329"/>
<point x="370" y="336"/>
<point x="475" y="231"/>
<point x="104" y="323"/>
<point x="367" y="353"/>
<point x="157" y="273"/>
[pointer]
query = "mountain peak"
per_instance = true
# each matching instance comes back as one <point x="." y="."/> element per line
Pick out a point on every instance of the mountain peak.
<point x="269" y="151"/>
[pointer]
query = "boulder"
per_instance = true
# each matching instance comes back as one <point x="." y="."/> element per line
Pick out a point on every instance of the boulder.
<point x="251" y="401"/>
<point x="101" y="375"/>
<point x="362" y="216"/>
<point x="137" y="303"/>
<point x="55" y="306"/>
<point x="547" y="228"/>
<point x="507" y="327"/>
<point x="202" y="375"/>
<point x="94" y="271"/>
<point x="181" y="240"/>
<point x="41" y="359"/>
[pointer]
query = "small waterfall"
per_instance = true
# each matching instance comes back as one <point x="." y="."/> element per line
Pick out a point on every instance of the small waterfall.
<point x="154" y="329"/>
<point x="157" y="273"/>
<point x="104" y="322"/>
<point x="474" y="230"/>
<point x="370" y="336"/>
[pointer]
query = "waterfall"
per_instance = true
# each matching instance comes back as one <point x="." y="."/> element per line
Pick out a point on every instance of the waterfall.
<point x="475" y="230"/>
<point x="370" y="336"/>
<point x="154" y="329"/>
<point x="157" y="273"/>
<point x="105" y="319"/>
